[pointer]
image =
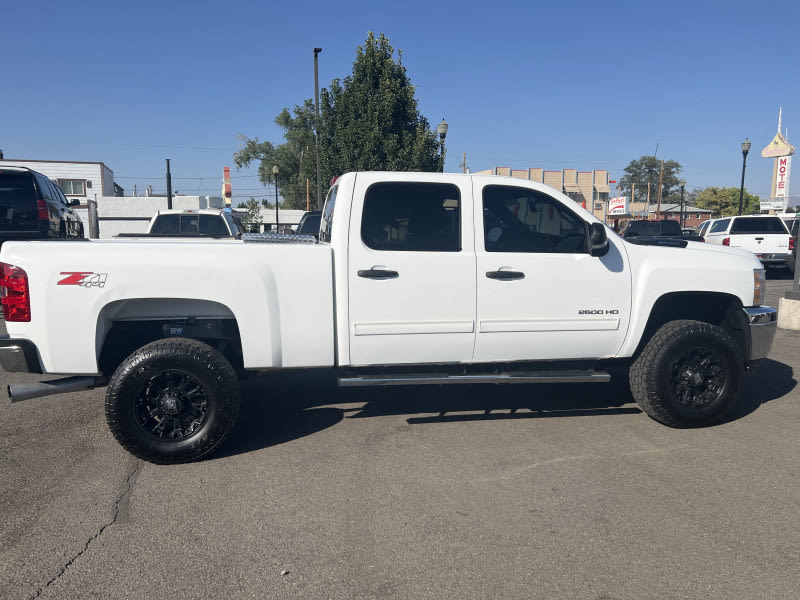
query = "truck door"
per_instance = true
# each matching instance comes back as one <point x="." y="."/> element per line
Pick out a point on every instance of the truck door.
<point x="411" y="271"/>
<point x="540" y="294"/>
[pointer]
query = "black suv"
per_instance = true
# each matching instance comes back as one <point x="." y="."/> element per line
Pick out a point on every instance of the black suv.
<point x="33" y="208"/>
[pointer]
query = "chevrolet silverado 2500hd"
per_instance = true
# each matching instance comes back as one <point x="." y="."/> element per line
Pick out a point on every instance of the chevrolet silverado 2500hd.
<point x="417" y="278"/>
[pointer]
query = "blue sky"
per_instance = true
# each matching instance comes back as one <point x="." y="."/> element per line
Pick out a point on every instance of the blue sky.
<point x="582" y="85"/>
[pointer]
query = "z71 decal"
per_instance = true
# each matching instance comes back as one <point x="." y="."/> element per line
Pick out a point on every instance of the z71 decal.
<point x="83" y="278"/>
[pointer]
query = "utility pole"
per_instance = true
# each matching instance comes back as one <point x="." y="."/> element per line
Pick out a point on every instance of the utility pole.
<point x="169" y="187"/>
<point x="316" y="122"/>
<point x="463" y="164"/>
<point x="660" y="187"/>
<point x="682" y="220"/>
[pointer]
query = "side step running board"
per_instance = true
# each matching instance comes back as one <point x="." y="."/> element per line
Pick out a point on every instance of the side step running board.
<point x="443" y="378"/>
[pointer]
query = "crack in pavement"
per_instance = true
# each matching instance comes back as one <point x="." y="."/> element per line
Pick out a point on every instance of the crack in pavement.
<point x="121" y="505"/>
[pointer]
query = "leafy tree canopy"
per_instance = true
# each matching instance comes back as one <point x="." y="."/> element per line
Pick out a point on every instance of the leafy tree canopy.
<point x="647" y="171"/>
<point x="724" y="202"/>
<point x="368" y="121"/>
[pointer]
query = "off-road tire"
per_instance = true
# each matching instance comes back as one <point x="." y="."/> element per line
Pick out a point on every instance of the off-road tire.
<point x="689" y="374"/>
<point x="172" y="401"/>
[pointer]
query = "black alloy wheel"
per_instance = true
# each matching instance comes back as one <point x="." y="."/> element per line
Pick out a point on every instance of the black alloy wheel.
<point x="173" y="400"/>
<point x="689" y="374"/>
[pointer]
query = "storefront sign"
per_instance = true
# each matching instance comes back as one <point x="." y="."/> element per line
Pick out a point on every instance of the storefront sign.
<point x="782" y="167"/>
<point x="618" y="206"/>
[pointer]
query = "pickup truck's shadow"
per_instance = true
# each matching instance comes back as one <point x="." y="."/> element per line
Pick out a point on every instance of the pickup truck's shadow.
<point x="772" y="380"/>
<point x="287" y="406"/>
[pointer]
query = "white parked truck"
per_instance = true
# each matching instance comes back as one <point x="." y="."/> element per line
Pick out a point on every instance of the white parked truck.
<point x="417" y="278"/>
<point x="766" y="236"/>
<point x="204" y="222"/>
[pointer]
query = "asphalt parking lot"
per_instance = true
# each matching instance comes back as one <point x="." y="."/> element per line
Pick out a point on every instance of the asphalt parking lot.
<point x="557" y="491"/>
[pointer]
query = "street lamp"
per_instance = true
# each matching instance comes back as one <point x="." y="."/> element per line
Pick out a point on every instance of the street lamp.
<point x="682" y="219"/>
<point x="745" y="149"/>
<point x="441" y="129"/>
<point x="275" y="175"/>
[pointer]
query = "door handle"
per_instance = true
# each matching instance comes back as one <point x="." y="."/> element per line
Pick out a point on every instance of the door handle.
<point x="378" y="274"/>
<point x="505" y="275"/>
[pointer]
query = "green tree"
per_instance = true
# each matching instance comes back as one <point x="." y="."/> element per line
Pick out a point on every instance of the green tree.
<point x="724" y="202"/>
<point x="296" y="157"/>
<point x="256" y="151"/>
<point x="252" y="220"/>
<point x="368" y="121"/>
<point x="647" y="170"/>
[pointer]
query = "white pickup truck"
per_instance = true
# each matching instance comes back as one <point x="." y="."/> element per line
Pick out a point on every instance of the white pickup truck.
<point x="417" y="278"/>
<point x="766" y="236"/>
<point x="192" y="223"/>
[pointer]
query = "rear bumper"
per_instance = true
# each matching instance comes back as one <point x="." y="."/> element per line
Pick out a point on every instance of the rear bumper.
<point x="773" y="260"/>
<point x="19" y="356"/>
<point x="762" y="322"/>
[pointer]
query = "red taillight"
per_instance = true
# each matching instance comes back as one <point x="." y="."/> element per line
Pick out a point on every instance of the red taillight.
<point x="726" y="242"/>
<point x="41" y="206"/>
<point x="14" y="294"/>
<point x="791" y="244"/>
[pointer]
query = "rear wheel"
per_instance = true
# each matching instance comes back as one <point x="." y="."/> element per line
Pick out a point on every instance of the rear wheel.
<point x="172" y="401"/>
<point x="688" y="375"/>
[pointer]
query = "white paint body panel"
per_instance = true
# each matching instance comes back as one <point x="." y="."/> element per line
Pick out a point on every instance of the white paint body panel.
<point x="539" y="317"/>
<point x="304" y="305"/>
<point x="426" y="314"/>
<point x="657" y="271"/>
<point x="280" y="295"/>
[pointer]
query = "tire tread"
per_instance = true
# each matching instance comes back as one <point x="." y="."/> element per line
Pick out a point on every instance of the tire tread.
<point x="190" y="352"/>
<point x="644" y="371"/>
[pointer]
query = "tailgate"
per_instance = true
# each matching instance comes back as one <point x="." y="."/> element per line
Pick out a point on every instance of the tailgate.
<point x="762" y="243"/>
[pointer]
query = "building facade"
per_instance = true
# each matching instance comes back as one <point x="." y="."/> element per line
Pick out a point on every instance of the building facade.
<point x="82" y="181"/>
<point x="590" y="189"/>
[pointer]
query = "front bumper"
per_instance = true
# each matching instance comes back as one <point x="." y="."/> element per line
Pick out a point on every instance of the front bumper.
<point x="19" y="356"/>
<point x="762" y="322"/>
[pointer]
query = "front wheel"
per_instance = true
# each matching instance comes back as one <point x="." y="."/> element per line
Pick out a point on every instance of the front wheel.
<point x="172" y="401"/>
<point x="688" y="375"/>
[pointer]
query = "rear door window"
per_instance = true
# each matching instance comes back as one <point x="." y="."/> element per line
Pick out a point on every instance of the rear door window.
<point x="718" y="226"/>
<point x="411" y="216"/>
